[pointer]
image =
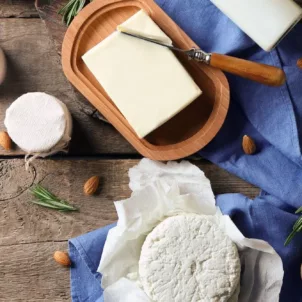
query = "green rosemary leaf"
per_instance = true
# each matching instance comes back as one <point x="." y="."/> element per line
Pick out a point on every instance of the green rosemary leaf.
<point x="290" y="237"/>
<point x="60" y="205"/>
<point x="297" y="227"/>
<point x="45" y="204"/>
<point x="69" y="16"/>
<point x="297" y="223"/>
<point x="49" y="200"/>
<point x="41" y="193"/>
<point x="66" y="7"/>
<point x="71" y="9"/>
<point x="299" y="210"/>
<point x="81" y="5"/>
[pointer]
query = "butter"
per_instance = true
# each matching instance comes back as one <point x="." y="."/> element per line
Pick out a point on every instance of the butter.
<point x="267" y="22"/>
<point x="145" y="81"/>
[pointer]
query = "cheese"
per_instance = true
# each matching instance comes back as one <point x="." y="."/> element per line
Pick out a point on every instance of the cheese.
<point x="145" y="81"/>
<point x="266" y="22"/>
<point x="188" y="258"/>
<point x="39" y="123"/>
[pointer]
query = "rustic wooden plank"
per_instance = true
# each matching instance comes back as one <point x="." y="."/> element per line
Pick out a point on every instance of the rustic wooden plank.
<point x="48" y="11"/>
<point x="33" y="65"/>
<point x="18" y="9"/>
<point x="24" y="222"/>
<point x="30" y="234"/>
<point x="29" y="273"/>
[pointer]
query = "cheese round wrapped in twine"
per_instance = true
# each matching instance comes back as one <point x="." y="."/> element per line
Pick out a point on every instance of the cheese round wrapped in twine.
<point x="39" y="124"/>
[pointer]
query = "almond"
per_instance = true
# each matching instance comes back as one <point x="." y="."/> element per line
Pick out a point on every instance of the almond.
<point x="62" y="258"/>
<point x="5" y="140"/>
<point x="248" y="145"/>
<point x="299" y="63"/>
<point x="3" y="68"/>
<point x="91" y="185"/>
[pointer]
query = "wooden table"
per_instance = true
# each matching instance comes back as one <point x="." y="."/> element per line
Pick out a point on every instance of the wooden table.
<point x="29" y="234"/>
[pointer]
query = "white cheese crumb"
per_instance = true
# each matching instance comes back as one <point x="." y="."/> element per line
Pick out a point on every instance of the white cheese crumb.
<point x="187" y="258"/>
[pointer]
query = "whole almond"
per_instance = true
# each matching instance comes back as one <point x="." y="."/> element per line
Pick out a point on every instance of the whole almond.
<point x="248" y="145"/>
<point x="5" y="140"/>
<point x="299" y="63"/>
<point x="62" y="258"/>
<point x="91" y="185"/>
<point x="2" y="66"/>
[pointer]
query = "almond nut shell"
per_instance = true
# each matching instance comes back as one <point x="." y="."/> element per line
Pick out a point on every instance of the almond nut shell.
<point x="62" y="258"/>
<point x="5" y="141"/>
<point x="91" y="185"/>
<point x="248" y="145"/>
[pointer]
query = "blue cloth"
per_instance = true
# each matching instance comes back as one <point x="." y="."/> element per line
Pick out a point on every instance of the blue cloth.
<point x="272" y="116"/>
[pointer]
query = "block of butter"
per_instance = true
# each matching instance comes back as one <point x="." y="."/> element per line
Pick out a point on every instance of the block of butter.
<point x="267" y="22"/>
<point x="145" y="81"/>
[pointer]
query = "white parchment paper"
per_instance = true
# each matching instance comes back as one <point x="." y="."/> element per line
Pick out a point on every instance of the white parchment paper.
<point x="163" y="190"/>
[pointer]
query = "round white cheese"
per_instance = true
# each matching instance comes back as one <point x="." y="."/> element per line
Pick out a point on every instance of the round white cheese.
<point x="187" y="258"/>
<point x="38" y="123"/>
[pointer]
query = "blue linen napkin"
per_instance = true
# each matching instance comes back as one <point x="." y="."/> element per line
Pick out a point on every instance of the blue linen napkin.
<point x="271" y="116"/>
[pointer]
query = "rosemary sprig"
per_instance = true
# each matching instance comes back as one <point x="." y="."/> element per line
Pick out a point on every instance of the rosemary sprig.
<point x="297" y="227"/>
<point x="71" y="9"/>
<point x="46" y="199"/>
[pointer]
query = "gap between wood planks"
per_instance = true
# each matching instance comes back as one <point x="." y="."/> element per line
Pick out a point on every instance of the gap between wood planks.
<point x="18" y="9"/>
<point x="108" y="156"/>
<point x="26" y="43"/>
<point x="21" y="221"/>
<point x="34" y="242"/>
<point x="20" y="17"/>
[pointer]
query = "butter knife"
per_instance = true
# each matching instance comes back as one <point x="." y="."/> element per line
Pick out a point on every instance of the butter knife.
<point x="261" y="73"/>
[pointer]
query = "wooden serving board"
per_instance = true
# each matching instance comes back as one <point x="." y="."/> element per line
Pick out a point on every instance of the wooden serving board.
<point x="183" y="135"/>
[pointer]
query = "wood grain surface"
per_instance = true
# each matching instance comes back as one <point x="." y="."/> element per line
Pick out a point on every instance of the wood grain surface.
<point x="30" y="234"/>
<point x="48" y="12"/>
<point x="23" y="222"/>
<point x="18" y="9"/>
<point x="29" y="273"/>
<point x="185" y="133"/>
<point x="34" y="65"/>
<point x="261" y="73"/>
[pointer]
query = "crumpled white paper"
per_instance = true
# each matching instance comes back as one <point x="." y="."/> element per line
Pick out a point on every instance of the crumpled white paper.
<point x="162" y="190"/>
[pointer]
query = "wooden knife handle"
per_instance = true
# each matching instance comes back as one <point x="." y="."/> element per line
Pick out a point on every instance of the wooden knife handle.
<point x="262" y="73"/>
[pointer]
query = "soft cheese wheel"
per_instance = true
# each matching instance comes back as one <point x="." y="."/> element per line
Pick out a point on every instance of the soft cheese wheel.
<point x="37" y="122"/>
<point x="187" y="258"/>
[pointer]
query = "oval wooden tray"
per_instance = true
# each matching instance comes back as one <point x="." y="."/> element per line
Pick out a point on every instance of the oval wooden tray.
<point x="187" y="132"/>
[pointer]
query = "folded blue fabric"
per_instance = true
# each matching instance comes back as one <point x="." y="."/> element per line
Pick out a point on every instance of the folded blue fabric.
<point x="271" y="116"/>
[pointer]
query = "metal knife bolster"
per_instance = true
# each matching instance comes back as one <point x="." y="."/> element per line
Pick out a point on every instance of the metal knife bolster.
<point x="199" y="55"/>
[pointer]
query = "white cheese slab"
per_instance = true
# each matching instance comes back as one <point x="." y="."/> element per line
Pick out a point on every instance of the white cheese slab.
<point x="266" y="21"/>
<point x="145" y="81"/>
